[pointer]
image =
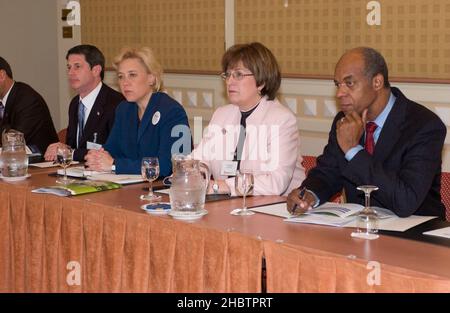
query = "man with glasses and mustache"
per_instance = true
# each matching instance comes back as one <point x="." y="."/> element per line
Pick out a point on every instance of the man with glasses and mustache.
<point x="378" y="138"/>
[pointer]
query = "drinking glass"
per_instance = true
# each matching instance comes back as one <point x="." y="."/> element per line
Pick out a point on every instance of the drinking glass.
<point x="244" y="185"/>
<point x="150" y="172"/>
<point x="64" y="156"/>
<point x="367" y="221"/>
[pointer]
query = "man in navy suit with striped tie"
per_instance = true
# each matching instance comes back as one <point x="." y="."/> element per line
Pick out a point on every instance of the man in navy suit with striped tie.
<point x="379" y="138"/>
<point x="91" y="112"/>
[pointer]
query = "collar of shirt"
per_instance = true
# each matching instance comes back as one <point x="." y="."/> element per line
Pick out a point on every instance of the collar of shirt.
<point x="5" y="98"/>
<point x="89" y="101"/>
<point x="381" y="118"/>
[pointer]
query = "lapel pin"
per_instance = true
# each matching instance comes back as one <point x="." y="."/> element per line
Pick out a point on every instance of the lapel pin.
<point x="156" y="117"/>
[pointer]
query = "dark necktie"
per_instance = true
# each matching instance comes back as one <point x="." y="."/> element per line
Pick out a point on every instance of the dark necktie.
<point x="2" y="110"/>
<point x="242" y="134"/>
<point x="80" y="122"/>
<point x="370" y="142"/>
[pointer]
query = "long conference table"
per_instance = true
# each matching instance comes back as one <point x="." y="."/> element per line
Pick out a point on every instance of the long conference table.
<point x="104" y="242"/>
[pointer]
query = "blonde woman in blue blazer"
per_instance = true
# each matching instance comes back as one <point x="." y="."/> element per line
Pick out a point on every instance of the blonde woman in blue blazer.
<point x="143" y="123"/>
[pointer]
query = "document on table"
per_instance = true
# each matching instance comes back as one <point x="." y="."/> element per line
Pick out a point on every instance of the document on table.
<point x="277" y="209"/>
<point x="391" y="223"/>
<point x="48" y="164"/>
<point x="400" y="224"/>
<point x="122" y="179"/>
<point x="442" y="232"/>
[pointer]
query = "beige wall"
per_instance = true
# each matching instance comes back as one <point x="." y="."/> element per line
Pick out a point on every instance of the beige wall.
<point x="31" y="37"/>
<point x="28" y="43"/>
<point x="31" y="41"/>
<point x="312" y="100"/>
<point x="64" y="44"/>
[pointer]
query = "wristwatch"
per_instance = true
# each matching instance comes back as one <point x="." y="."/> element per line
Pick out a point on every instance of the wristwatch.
<point x="215" y="188"/>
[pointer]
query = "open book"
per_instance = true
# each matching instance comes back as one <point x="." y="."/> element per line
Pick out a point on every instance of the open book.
<point x="343" y="215"/>
<point x="329" y="213"/>
<point x="78" y="188"/>
<point x="336" y="214"/>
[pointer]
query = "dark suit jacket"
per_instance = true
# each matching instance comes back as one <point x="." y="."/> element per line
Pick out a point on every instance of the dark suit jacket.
<point x="130" y="140"/>
<point x="27" y="112"/>
<point x="100" y="120"/>
<point x="406" y="164"/>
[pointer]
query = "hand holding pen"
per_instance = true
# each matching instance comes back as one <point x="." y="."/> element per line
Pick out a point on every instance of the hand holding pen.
<point x="299" y="201"/>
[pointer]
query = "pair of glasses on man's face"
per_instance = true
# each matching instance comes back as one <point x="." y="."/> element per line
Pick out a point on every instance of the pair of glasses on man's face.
<point x="237" y="75"/>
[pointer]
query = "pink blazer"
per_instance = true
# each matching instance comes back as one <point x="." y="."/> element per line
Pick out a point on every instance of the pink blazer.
<point x="271" y="148"/>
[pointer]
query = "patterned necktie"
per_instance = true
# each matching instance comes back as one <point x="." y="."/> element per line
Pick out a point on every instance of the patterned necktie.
<point x="370" y="142"/>
<point x="2" y="110"/>
<point x="80" y="122"/>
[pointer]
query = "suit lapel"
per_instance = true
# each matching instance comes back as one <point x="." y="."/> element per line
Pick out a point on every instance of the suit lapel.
<point x="391" y="131"/>
<point x="10" y="102"/>
<point x="96" y="113"/>
<point x="148" y="114"/>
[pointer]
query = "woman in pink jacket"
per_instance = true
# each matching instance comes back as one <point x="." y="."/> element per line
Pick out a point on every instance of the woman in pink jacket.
<point x="255" y="132"/>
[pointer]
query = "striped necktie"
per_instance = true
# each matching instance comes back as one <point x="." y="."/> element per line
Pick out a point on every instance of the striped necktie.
<point x="370" y="142"/>
<point x="80" y="122"/>
<point x="2" y="110"/>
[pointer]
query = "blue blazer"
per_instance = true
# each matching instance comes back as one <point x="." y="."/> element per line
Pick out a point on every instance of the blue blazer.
<point x="131" y="140"/>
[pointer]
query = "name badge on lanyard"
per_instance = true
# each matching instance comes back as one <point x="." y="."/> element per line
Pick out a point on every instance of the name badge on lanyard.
<point x="229" y="168"/>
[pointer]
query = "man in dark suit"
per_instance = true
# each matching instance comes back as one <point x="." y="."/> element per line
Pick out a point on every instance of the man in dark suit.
<point x="379" y="138"/>
<point x="24" y="109"/>
<point x="91" y="112"/>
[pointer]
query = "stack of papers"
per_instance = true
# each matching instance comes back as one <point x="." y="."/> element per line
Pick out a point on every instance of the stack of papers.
<point x="80" y="172"/>
<point x="48" y="164"/>
<point x="75" y="171"/>
<point x="122" y="179"/>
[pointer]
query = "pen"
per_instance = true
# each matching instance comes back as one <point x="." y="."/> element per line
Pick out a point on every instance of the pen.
<point x="301" y="194"/>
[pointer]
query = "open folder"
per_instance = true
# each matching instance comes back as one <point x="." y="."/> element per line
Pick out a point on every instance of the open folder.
<point x="343" y="215"/>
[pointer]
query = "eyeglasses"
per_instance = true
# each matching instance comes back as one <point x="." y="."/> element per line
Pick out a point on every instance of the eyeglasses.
<point x="238" y="75"/>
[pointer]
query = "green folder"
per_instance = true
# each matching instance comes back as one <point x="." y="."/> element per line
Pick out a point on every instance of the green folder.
<point x="78" y="188"/>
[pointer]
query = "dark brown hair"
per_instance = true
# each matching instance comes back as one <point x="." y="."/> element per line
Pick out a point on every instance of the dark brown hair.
<point x="4" y="65"/>
<point x="260" y="61"/>
<point x="92" y="55"/>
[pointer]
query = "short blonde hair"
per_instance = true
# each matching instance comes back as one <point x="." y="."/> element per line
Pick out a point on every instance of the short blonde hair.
<point x="147" y="58"/>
